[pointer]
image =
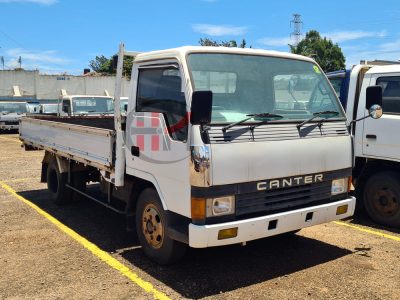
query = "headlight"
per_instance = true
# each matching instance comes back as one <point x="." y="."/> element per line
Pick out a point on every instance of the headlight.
<point x="340" y="186"/>
<point x="220" y="206"/>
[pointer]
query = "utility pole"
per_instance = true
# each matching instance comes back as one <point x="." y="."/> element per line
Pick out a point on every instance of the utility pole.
<point x="297" y="26"/>
<point x="2" y="61"/>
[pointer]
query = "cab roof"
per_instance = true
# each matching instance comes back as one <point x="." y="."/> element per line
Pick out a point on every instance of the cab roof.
<point x="181" y="52"/>
<point x="384" y="69"/>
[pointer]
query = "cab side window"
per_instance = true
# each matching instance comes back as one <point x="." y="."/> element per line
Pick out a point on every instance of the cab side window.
<point x="160" y="90"/>
<point x="390" y="94"/>
<point x="66" y="106"/>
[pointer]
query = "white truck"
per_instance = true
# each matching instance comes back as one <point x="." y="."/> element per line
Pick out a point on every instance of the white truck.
<point x="11" y="111"/>
<point x="213" y="149"/>
<point x="376" y="173"/>
<point x="89" y="105"/>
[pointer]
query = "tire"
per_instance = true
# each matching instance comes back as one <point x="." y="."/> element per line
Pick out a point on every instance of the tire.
<point x="56" y="181"/>
<point x="151" y="227"/>
<point x="382" y="198"/>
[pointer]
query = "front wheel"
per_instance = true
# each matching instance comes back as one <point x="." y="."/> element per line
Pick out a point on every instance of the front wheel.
<point x="151" y="225"/>
<point x="382" y="198"/>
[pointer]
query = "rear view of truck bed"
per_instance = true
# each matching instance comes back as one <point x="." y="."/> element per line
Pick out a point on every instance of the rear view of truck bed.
<point x="89" y="140"/>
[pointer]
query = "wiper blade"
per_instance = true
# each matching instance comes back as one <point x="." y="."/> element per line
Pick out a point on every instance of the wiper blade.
<point x="262" y="115"/>
<point x="316" y="115"/>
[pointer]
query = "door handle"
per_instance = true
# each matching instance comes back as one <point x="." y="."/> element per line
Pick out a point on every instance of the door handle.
<point x="135" y="151"/>
<point x="371" y="136"/>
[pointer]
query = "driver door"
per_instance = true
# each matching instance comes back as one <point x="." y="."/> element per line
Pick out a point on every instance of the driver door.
<point x="157" y="131"/>
<point x="381" y="137"/>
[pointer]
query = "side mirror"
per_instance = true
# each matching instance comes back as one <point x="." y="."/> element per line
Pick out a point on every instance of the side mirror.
<point x="374" y="96"/>
<point x="375" y="111"/>
<point x="201" y="108"/>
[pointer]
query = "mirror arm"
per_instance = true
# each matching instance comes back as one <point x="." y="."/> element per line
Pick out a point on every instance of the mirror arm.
<point x="355" y="121"/>
<point x="204" y="133"/>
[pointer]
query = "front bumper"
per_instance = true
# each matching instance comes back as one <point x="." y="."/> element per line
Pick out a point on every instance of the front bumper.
<point x="202" y="236"/>
<point x="9" y="127"/>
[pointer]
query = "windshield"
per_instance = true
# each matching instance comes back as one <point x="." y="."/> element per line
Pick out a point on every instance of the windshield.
<point x="122" y="105"/>
<point x="13" y="107"/>
<point x="249" y="84"/>
<point x="337" y="84"/>
<point x="49" y="108"/>
<point x="92" y="105"/>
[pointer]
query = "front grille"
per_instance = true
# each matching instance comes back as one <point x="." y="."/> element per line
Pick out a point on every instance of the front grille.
<point x="276" y="132"/>
<point x="11" y="123"/>
<point x="283" y="199"/>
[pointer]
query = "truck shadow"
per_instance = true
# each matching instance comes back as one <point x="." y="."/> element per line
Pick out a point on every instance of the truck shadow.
<point x="361" y="218"/>
<point x="202" y="272"/>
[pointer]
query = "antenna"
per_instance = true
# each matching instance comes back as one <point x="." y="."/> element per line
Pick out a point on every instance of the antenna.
<point x="297" y="26"/>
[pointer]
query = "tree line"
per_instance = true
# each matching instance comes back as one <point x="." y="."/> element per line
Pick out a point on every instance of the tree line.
<point x="327" y="54"/>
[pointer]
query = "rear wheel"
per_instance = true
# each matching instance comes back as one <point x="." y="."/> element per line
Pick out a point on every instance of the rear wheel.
<point x="56" y="181"/>
<point x="151" y="227"/>
<point x="382" y="198"/>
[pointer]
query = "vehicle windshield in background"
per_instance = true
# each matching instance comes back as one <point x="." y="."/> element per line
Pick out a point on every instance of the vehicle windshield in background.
<point x="49" y="108"/>
<point x="337" y="84"/>
<point x="92" y="105"/>
<point x="243" y="85"/>
<point x="122" y="105"/>
<point x="33" y="107"/>
<point x="13" y="107"/>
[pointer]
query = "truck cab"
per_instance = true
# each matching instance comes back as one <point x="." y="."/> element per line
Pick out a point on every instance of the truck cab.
<point x="85" y="105"/>
<point x="376" y="142"/>
<point x="11" y="112"/>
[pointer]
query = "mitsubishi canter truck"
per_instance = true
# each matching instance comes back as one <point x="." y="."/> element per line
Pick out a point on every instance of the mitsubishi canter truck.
<point x="219" y="146"/>
<point x="376" y="172"/>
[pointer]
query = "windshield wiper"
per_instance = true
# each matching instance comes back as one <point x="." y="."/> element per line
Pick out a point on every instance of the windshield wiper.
<point x="316" y="115"/>
<point x="262" y="115"/>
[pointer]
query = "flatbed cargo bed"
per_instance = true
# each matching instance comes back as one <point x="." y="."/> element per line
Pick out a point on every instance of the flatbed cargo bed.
<point x="86" y="139"/>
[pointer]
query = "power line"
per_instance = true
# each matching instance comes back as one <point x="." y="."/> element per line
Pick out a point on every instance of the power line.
<point x="11" y="39"/>
<point x="297" y="26"/>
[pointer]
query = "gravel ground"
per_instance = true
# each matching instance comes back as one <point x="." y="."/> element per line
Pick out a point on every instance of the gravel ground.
<point x="39" y="261"/>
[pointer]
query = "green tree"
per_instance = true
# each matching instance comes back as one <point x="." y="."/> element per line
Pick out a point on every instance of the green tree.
<point x="231" y="43"/>
<point x="100" y="64"/>
<point x="106" y="66"/>
<point x="327" y="54"/>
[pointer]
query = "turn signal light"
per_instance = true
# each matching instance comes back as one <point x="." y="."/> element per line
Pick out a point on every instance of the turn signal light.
<point x="227" y="233"/>
<point x="340" y="210"/>
<point x="198" y="209"/>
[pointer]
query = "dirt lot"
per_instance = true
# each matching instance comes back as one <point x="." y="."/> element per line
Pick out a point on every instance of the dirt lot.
<point x="38" y="260"/>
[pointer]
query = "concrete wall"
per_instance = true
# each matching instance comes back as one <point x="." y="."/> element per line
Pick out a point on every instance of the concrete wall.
<point x="43" y="87"/>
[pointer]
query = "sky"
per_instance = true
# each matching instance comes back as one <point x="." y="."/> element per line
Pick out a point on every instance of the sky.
<point x="57" y="36"/>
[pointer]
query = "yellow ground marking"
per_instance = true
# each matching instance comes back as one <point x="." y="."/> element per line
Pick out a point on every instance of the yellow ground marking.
<point x="95" y="250"/>
<point x="10" y="139"/>
<point x="370" y="231"/>
<point x="21" y="179"/>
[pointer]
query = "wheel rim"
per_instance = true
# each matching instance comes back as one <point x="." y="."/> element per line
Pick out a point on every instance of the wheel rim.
<point x="152" y="226"/>
<point x="53" y="182"/>
<point x="386" y="202"/>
